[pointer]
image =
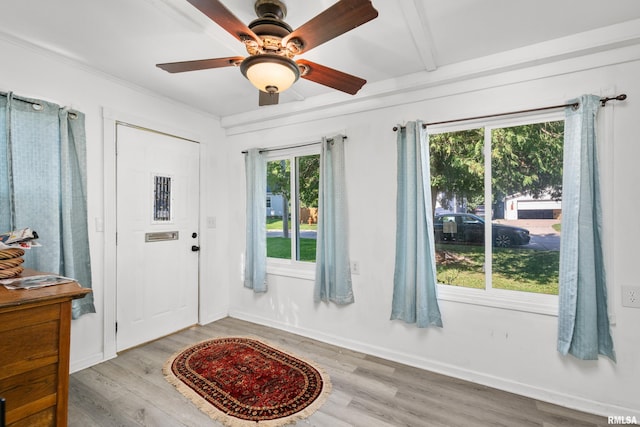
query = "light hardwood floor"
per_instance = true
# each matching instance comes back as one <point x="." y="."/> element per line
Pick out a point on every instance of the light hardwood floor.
<point x="130" y="390"/>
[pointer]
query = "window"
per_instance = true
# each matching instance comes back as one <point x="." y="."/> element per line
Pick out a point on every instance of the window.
<point x="292" y="191"/>
<point x="162" y="207"/>
<point x="497" y="197"/>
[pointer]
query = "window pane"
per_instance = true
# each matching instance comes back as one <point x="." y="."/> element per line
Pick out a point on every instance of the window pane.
<point x="292" y="212"/>
<point x="278" y="211"/>
<point x="526" y="163"/>
<point x="308" y="171"/>
<point x="457" y="189"/>
<point x="162" y="199"/>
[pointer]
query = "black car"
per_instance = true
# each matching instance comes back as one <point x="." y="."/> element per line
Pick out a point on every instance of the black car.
<point x="469" y="229"/>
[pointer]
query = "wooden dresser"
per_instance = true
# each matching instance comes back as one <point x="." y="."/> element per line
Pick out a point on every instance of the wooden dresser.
<point x="35" y="331"/>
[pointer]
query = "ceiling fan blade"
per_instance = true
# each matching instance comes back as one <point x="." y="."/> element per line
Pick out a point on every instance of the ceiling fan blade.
<point x="200" y="64"/>
<point x="329" y="77"/>
<point x="343" y="16"/>
<point x="266" y="98"/>
<point x="222" y="16"/>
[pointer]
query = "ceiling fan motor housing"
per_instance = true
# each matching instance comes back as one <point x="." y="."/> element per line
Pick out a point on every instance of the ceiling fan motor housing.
<point x="270" y="9"/>
<point x="271" y="29"/>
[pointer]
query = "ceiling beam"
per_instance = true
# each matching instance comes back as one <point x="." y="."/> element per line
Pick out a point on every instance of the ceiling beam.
<point x="416" y="18"/>
<point x="194" y="20"/>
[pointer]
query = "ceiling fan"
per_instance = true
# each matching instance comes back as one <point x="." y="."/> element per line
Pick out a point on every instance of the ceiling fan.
<point x="271" y="44"/>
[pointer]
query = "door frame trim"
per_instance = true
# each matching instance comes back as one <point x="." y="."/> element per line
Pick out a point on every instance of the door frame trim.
<point x="110" y="120"/>
<point x="159" y="132"/>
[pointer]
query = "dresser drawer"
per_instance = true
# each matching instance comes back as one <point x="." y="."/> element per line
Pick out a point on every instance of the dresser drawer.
<point x="30" y="393"/>
<point x="29" y="371"/>
<point x="21" y="316"/>
<point x="45" y="418"/>
<point x="28" y="347"/>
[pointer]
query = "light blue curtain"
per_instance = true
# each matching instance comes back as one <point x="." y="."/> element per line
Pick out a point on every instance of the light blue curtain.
<point x="73" y="204"/>
<point x="255" y="267"/>
<point x="583" y="321"/>
<point x="333" y="270"/>
<point x="43" y="182"/>
<point x="414" y="281"/>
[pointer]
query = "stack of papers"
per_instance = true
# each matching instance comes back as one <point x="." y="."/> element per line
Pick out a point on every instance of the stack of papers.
<point x="34" y="282"/>
<point x="23" y="238"/>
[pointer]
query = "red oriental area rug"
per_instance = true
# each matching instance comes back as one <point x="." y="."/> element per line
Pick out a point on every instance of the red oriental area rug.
<point x="242" y="381"/>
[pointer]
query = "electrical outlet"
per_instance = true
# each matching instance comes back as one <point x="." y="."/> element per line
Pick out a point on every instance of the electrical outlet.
<point x="631" y="296"/>
<point x="355" y="267"/>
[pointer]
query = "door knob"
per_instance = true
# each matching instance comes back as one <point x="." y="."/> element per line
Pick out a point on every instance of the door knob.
<point x="195" y="248"/>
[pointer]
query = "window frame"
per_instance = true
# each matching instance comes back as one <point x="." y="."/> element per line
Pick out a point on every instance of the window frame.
<point x="292" y="267"/>
<point x="492" y="297"/>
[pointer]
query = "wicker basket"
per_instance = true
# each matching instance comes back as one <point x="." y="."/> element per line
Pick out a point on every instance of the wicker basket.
<point x="11" y="253"/>
<point x="10" y="263"/>
<point x="8" y="273"/>
<point x="10" y="260"/>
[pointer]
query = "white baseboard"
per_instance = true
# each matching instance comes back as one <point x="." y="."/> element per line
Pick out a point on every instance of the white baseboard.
<point x="88" y="362"/>
<point x="545" y="395"/>
<point x="212" y="317"/>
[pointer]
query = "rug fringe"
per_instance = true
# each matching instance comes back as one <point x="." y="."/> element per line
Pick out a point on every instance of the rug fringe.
<point x="232" y="421"/>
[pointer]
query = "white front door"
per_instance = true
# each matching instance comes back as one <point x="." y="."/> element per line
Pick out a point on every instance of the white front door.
<point x="157" y="235"/>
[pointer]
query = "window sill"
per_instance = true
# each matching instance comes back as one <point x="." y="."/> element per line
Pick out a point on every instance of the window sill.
<point x="503" y="299"/>
<point x="287" y="268"/>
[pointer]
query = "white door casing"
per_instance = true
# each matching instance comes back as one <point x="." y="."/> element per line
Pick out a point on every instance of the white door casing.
<point x="157" y="270"/>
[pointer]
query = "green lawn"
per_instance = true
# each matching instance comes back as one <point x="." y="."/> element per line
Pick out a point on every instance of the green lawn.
<point x="279" y="247"/>
<point x="514" y="269"/>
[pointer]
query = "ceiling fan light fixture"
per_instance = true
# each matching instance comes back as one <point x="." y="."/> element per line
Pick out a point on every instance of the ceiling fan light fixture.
<point x="270" y="73"/>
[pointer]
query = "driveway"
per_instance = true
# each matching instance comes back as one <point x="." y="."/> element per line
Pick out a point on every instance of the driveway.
<point x="543" y="236"/>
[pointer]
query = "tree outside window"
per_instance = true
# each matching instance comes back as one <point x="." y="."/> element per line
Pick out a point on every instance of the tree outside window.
<point x="497" y="194"/>
<point x="292" y="186"/>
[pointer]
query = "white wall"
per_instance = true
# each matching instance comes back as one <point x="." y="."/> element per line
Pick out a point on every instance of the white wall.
<point x="513" y="350"/>
<point x="28" y="71"/>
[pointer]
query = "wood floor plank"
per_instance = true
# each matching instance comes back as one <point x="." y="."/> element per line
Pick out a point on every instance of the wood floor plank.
<point x="588" y="419"/>
<point x="321" y="419"/>
<point x="353" y="415"/>
<point x="89" y="402"/>
<point x="367" y="391"/>
<point x="390" y="413"/>
<point x="103" y="385"/>
<point x="354" y="384"/>
<point x="340" y="397"/>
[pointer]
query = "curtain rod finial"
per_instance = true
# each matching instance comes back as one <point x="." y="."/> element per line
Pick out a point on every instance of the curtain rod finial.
<point x="620" y="97"/>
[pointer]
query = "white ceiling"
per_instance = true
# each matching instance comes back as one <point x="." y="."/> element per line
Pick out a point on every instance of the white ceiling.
<point x="126" y="38"/>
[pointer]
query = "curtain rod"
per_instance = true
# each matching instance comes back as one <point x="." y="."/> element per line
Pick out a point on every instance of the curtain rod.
<point x="37" y="105"/>
<point x="574" y="105"/>
<point x="306" y="144"/>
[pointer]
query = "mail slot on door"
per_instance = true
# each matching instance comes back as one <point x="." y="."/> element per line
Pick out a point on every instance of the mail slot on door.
<point x="161" y="236"/>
